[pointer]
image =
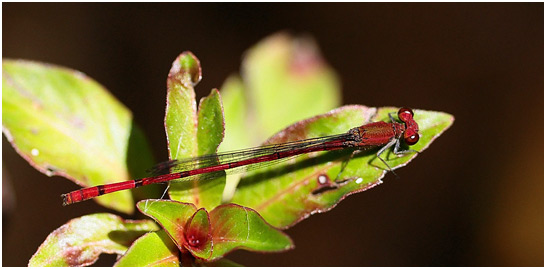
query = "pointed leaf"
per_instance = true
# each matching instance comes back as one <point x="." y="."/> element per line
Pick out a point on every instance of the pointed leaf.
<point x="153" y="249"/>
<point x="211" y="123"/>
<point x="210" y="134"/>
<point x="191" y="134"/>
<point x="288" y="192"/>
<point x="181" y="112"/>
<point x="205" y="193"/>
<point x="171" y="215"/>
<point x="238" y="227"/>
<point x="80" y="241"/>
<point x="197" y="237"/>
<point x="64" y="123"/>
<point x="211" y="236"/>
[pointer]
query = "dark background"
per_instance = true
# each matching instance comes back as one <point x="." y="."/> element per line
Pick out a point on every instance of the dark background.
<point x="474" y="198"/>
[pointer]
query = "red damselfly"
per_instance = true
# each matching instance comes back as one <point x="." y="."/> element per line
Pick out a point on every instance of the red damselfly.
<point x="368" y="135"/>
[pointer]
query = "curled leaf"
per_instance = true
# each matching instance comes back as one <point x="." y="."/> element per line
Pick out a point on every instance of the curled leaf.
<point x="235" y="226"/>
<point x="210" y="236"/>
<point x="197" y="236"/>
<point x="171" y="215"/>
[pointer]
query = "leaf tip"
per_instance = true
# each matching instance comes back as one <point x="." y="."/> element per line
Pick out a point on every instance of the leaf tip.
<point x="186" y="68"/>
<point x="306" y="57"/>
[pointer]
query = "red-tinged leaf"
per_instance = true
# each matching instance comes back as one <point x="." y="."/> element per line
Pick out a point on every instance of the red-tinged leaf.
<point x="64" y="123"/>
<point x="197" y="235"/>
<point x="284" y="79"/>
<point x="286" y="193"/>
<point x="171" y="215"/>
<point x="192" y="133"/>
<point x="181" y="111"/>
<point x="153" y="249"/>
<point x="238" y="227"/>
<point x="80" y="241"/>
<point x="287" y="80"/>
<point x="211" y="236"/>
<point x="188" y="227"/>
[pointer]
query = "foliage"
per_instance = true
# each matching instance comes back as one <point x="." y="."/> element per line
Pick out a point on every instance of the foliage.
<point x="59" y="120"/>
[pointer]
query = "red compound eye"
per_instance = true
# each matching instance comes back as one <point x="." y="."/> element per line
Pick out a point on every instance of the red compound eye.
<point x="412" y="139"/>
<point x="404" y="114"/>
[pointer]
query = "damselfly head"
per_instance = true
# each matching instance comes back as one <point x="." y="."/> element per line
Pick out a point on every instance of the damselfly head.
<point x="411" y="135"/>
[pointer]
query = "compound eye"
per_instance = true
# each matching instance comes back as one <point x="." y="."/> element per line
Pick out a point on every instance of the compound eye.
<point x="412" y="139"/>
<point x="402" y="112"/>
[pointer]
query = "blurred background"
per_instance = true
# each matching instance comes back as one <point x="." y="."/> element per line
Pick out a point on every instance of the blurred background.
<point x="474" y="198"/>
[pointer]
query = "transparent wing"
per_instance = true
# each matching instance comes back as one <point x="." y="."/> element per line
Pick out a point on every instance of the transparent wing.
<point x="240" y="155"/>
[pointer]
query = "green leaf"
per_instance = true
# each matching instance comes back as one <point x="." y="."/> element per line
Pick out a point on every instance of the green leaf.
<point x="285" y="80"/>
<point x="80" y="241"/>
<point x="188" y="227"/>
<point x="64" y="123"/>
<point x="431" y="125"/>
<point x="210" y="130"/>
<point x="235" y="227"/>
<point x="197" y="235"/>
<point x="209" y="236"/>
<point x="181" y="113"/>
<point x="190" y="133"/>
<point x="291" y="191"/>
<point x="171" y="215"/>
<point x="237" y="115"/>
<point x="153" y="249"/>
<point x="291" y="72"/>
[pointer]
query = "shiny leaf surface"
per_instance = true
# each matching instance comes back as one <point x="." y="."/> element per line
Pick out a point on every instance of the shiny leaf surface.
<point x="64" y="123"/>
<point x="286" y="193"/>
<point x="80" y="241"/>
<point x="153" y="249"/>
<point x="209" y="236"/>
<point x="191" y="133"/>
